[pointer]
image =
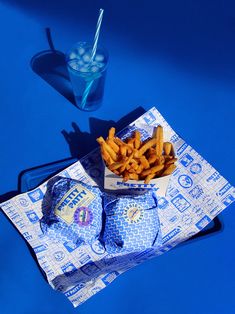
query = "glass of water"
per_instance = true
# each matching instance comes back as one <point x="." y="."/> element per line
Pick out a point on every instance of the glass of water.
<point x="87" y="77"/>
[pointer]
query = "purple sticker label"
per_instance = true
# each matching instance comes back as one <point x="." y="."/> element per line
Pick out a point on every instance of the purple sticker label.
<point x="83" y="216"/>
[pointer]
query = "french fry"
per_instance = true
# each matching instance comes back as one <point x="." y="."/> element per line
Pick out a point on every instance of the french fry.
<point x="140" y="169"/>
<point x="126" y="176"/>
<point x="167" y="148"/>
<point x="145" y="147"/>
<point x="144" y="162"/>
<point x="159" y="138"/>
<point x="123" y="167"/>
<point x="169" y="170"/>
<point x="137" y="140"/>
<point x="116" y="165"/>
<point x="123" y="150"/>
<point x="171" y="161"/>
<point x="113" y="145"/>
<point x="107" y="148"/>
<point x="111" y="133"/>
<point x="160" y="160"/>
<point x="130" y="142"/>
<point x="106" y="157"/>
<point x="152" y="158"/>
<point x="149" y="177"/>
<point x="152" y="170"/>
<point x="134" y="176"/>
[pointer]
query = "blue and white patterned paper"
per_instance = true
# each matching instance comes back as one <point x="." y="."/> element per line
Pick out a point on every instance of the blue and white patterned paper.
<point x="197" y="193"/>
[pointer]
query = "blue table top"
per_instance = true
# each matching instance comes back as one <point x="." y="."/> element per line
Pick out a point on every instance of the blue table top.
<point x="177" y="56"/>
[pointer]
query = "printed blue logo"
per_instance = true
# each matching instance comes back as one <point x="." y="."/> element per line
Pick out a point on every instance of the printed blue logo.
<point x="32" y="216"/>
<point x="70" y="246"/>
<point x="75" y="289"/>
<point x="228" y="200"/>
<point x="186" y="160"/>
<point x="149" y="118"/>
<point x="171" y="234"/>
<point x="40" y="248"/>
<point x="84" y="258"/>
<point x="203" y="222"/>
<point x="162" y="202"/>
<point x="196" y="192"/>
<point x="97" y="248"/>
<point x="180" y="203"/>
<point x="181" y="149"/>
<point x="90" y="269"/>
<point x="59" y="256"/>
<point x="185" y="181"/>
<point x="186" y="219"/>
<point x="35" y="195"/>
<point x="196" y="168"/>
<point x="214" y="177"/>
<point x="68" y="269"/>
<point x="224" y="189"/>
<point x="23" y="202"/>
<point x="107" y="279"/>
<point x="174" y="138"/>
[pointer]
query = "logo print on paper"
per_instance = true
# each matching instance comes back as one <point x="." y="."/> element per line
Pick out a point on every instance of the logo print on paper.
<point x="185" y="181"/>
<point x="23" y="202"/>
<point x="195" y="168"/>
<point x="180" y="203"/>
<point x="133" y="213"/>
<point x="97" y="247"/>
<point x="32" y="216"/>
<point x="35" y="195"/>
<point x="59" y="256"/>
<point x="68" y="269"/>
<point x="149" y="118"/>
<point x="83" y="216"/>
<point x="186" y="160"/>
<point x="228" y="199"/>
<point x="70" y="246"/>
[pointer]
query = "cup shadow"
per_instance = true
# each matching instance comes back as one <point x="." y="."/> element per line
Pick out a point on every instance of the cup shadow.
<point x="50" y="65"/>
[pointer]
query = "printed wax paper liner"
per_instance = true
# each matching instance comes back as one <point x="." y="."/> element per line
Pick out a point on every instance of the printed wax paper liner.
<point x="197" y="194"/>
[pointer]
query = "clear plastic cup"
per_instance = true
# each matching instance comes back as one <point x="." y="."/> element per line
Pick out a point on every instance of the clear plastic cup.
<point x="87" y="78"/>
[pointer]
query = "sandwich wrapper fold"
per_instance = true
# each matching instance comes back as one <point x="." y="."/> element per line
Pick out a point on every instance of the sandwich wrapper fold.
<point x="83" y="249"/>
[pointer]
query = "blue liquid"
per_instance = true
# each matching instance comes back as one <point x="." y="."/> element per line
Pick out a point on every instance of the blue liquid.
<point x="87" y="78"/>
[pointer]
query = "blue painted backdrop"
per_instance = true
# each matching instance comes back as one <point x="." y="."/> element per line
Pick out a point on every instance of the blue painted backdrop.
<point x="176" y="55"/>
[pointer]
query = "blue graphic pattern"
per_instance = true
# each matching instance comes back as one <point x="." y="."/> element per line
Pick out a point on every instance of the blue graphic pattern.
<point x="57" y="229"/>
<point x="126" y="233"/>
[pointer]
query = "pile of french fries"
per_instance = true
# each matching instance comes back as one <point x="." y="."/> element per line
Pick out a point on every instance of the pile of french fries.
<point x="136" y="160"/>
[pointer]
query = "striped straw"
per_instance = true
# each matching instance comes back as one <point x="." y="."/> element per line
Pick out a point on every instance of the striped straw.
<point x="97" y="33"/>
<point x="96" y="38"/>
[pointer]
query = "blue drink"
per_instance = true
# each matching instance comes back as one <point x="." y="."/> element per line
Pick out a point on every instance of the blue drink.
<point x="87" y="77"/>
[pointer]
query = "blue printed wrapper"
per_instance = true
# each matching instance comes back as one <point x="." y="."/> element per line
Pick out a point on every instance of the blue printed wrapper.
<point x="132" y="223"/>
<point x="196" y="194"/>
<point x="75" y="212"/>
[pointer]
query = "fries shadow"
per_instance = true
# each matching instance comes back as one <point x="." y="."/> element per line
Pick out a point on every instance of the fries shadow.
<point x="81" y="143"/>
<point x="50" y="65"/>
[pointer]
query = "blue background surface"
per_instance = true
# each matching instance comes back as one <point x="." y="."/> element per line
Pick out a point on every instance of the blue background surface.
<point x="176" y="55"/>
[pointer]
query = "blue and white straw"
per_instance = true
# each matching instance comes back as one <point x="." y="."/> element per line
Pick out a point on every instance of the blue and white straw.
<point x="95" y="43"/>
